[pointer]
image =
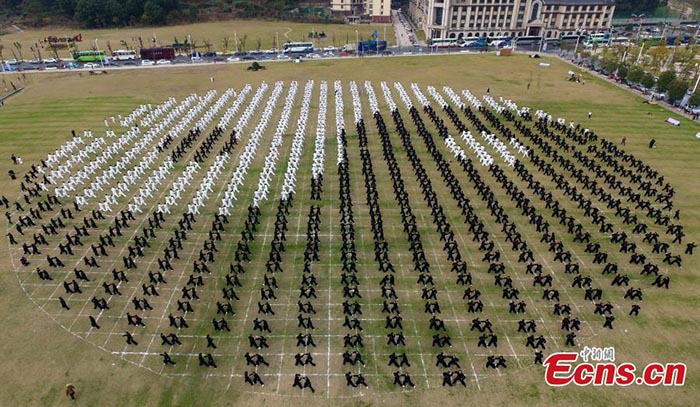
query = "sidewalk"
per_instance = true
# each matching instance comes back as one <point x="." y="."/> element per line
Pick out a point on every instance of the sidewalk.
<point x="401" y="25"/>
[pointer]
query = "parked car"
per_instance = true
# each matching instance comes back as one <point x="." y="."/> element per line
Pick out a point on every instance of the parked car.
<point x="163" y="62"/>
<point x="50" y="61"/>
<point x="90" y="65"/>
<point x="659" y="95"/>
<point x="147" y="62"/>
<point x="233" y="58"/>
<point x="69" y="65"/>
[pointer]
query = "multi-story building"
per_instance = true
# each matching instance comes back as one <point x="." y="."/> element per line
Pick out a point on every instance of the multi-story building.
<point x="376" y="11"/>
<point x="513" y="18"/>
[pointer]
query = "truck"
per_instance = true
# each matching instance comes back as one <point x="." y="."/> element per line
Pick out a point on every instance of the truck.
<point x="158" y="53"/>
<point x="373" y="46"/>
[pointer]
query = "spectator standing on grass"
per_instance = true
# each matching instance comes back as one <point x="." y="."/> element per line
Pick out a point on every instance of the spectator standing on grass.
<point x="70" y="391"/>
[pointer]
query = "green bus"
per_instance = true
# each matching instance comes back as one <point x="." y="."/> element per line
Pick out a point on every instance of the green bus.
<point x="90" y="56"/>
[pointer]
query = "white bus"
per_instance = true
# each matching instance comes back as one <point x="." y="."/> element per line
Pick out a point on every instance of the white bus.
<point x="503" y="41"/>
<point x="597" y="38"/>
<point x="443" y="42"/>
<point x="298" y="48"/>
<point x="124" y="55"/>
<point x="619" y="40"/>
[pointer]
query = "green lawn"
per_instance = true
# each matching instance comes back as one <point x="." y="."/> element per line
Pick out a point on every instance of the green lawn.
<point x="43" y="351"/>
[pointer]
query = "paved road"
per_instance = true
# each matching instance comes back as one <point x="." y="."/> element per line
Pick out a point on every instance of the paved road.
<point x="403" y="30"/>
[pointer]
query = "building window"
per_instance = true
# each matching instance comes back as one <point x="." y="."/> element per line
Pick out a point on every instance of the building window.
<point x="535" y="11"/>
<point x="438" y="15"/>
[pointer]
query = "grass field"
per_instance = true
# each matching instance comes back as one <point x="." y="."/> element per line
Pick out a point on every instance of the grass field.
<point x="212" y="32"/>
<point x="42" y="351"/>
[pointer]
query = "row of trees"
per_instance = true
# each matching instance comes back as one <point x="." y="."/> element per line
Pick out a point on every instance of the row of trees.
<point x="629" y="7"/>
<point x="110" y="13"/>
<point x="670" y="70"/>
<point x="115" y="13"/>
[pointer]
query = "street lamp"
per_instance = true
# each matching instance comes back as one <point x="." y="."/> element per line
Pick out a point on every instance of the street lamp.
<point x="639" y="30"/>
<point x="277" y="41"/>
<point x="357" y="43"/>
<point x="97" y="49"/>
<point x="235" y="39"/>
<point x="578" y="39"/>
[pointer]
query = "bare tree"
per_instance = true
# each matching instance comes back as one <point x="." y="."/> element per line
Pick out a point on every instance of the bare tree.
<point x="242" y="42"/>
<point x="207" y="45"/>
<point x="225" y="43"/>
<point x="54" y="52"/>
<point x="36" y="51"/>
<point x="18" y="47"/>
<point x="259" y="43"/>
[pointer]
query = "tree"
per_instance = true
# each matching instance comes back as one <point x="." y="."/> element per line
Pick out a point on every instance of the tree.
<point x="207" y="45"/>
<point x="609" y="63"/>
<point x="98" y="13"/>
<point x="225" y="43"/>
<point x="648" y="80"/>
<point x="66" y="7"/>
<point x="677" y="89"/>
<point x="665" y="80"/>
<point x="18" y="47"/>
<point x="38" y="9"/>
<point x="153" y="13"/>
<point x="635" y="74"/>
<point x="659" y="55"/>
<point x="622" y="71"/>
<point x="694" y="99"/>
<point x="627" y="7"/>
